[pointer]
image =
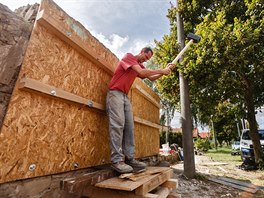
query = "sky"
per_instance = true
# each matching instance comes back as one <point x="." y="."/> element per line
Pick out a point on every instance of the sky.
<point x="121" y="25"/>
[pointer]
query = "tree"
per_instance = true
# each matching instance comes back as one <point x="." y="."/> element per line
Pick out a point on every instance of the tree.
<point x="168" y="107"/>
<point x="225" y="122"/>
<point x="227" y="65"/>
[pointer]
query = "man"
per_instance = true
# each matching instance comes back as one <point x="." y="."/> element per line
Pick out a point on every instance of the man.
<point x="121" y="121"/>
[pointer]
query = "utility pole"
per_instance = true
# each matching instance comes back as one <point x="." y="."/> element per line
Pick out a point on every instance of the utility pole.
<point x="238" y="130"/>
<point x="168" y="124"/>
<point x="215" y="141"/>
<point x="188" y="151"/>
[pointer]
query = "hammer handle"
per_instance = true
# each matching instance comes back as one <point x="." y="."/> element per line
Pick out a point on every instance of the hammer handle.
<point x="181" y="53"/>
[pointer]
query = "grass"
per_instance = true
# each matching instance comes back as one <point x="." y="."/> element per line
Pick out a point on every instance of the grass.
<point x="223" y="154"/>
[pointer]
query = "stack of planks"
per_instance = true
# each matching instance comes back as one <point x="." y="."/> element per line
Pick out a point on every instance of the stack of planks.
<point x="154" y="182"/>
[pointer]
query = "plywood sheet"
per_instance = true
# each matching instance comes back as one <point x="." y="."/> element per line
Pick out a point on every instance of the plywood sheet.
<point x="43" y="135"/>
<point x="146" y="140"/>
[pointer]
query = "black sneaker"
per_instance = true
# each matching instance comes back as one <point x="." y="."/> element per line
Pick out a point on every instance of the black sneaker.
<point x="121" y="167"/>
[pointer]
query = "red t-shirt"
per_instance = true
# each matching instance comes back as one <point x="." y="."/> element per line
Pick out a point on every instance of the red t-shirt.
<point x="124" y="75"/>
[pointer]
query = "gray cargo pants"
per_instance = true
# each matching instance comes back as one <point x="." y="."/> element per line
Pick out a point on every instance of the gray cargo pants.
<point x="121" y="126"/>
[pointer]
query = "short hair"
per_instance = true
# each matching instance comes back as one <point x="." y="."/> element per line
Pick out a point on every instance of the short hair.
<point x="147" y="49"/>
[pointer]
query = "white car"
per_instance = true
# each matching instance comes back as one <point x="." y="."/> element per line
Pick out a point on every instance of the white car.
<point x="236" y="146"/>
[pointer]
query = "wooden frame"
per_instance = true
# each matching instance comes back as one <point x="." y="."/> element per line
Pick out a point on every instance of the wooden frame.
<point x="67" y="36"/>
<point x="32" y="85"/>
<point x="36" y="86"/>
<point x="146" y="95"/>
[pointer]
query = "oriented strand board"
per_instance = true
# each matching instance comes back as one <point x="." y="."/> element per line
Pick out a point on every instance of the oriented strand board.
<point x="142" y="106"/>
<point x="42" y="135"/>
<point x="146" y="140"/>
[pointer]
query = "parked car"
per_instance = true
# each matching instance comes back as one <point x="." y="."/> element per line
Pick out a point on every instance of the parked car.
<point x="246" y="145"/>
<point x="236" y="146"/>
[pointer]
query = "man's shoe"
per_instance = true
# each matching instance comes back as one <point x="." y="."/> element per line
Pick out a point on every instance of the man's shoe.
<point x="136" y="165"/>
<point x="121" y="167"/>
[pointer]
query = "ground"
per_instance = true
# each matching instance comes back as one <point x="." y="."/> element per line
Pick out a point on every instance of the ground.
<point x="205" y="166"/>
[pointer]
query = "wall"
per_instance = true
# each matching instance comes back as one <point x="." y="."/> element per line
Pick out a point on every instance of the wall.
<point x="56" y="120"/>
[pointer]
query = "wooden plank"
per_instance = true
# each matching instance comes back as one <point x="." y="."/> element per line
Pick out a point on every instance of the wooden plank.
<point x="174" y="195"/>
<point x="171" y="183"/>
<point x="77" y="184"/>
<point x="146" y="95"/>
<point x="122" y="184"/>
<point x="237" y="182"/>
<point x="55" y="26"/>
<point x="162" y="192"/>
<point x="150" y="195"/>
<point x="243" y="188"/>
<point x="96" y="192"/>
<point x="136" y="177"/>
<point x="214" y="164"/>
<point x="154" y="182"/>
<point x="36" y="86"/>
<point x="146" y="122"/>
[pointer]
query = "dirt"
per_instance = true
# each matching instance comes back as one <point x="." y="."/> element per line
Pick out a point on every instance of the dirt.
<point x="206" y="167"/>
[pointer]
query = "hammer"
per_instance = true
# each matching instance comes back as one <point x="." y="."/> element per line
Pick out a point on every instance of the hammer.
<point x="193" y="39"/>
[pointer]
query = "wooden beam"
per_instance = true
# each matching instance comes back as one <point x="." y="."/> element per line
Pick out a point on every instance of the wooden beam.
<point x="68" y="36"/>
<point x="243" y="188"/>
<point x="171" y="184"/>
<point x="138" y="176"/>
<point x="128" y="185"/>
<point x="153" y="183"/>
<point x="162" y="192"/>
<point x="96" y="192"/>
<point x="237" y="182"/>
<point x="150" y="195"/>
<point x="76" y="185"/>
<point x="32" y="85"/>
<point x="37" y="86"/>
<point x="146" y="122"/>
<point x="174" y="195"/>
<point x="147" y="95"/>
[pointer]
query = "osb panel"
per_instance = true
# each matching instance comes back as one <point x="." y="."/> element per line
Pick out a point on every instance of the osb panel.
<point x="51" y="134"/>
<point x="147" y="89"/>
<point x="77" y="29"/>
<point x="143" y="108"/>
<point x="55" y="63"/>
<point x="54" y="135"/>
<point x="146" y="140"/>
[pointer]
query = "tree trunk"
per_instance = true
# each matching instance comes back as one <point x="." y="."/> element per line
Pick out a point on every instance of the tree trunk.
<point x="251" y="116"/>
<point x="187" y="138"/>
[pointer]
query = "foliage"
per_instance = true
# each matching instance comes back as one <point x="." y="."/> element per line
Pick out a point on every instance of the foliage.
<point x="202" y="144"/>
<point x="226" y="66"/>
<point x="225" y="121"/>
<point x="173" y="138"/>
<point x="261" y="164"/>
<point x="168" y="107"/>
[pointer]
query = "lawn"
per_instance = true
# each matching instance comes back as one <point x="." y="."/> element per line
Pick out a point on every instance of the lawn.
<point x="223" y="154"/>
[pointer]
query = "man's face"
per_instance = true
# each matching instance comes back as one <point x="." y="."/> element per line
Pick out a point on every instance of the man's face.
<point x="145" y="56"/>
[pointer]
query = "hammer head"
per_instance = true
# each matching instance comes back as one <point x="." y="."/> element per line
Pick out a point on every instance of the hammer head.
<point x="194" y="37"/>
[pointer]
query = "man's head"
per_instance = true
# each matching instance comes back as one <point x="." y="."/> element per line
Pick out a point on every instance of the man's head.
<point x="145" y="54"/>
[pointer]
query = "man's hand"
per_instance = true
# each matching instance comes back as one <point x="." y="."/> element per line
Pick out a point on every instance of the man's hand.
<point x="166" y="71"/>
<point x="171" y="66"/>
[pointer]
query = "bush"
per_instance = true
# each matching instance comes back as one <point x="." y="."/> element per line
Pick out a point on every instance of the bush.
<point x="173" y="138"/>
<point x="202" y="144"/>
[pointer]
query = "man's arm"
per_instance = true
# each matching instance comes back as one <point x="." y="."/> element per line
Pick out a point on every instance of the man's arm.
<point x="155" y="77"/>
<point x="152" y="74"/>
